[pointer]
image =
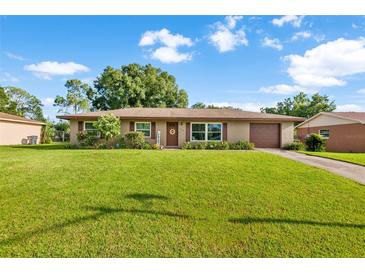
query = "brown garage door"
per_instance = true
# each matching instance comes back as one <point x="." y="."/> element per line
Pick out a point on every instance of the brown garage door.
<point x="265" y="135"/>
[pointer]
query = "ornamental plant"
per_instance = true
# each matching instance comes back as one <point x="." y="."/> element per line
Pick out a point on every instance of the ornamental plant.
<point x="108" y="125"/>
<point x="315" y="142"/>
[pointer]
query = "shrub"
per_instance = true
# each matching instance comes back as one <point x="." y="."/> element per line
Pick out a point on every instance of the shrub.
<point x="186" y="145"/>
<point x="217" y="145"/>
<point x="87" y="138"/>
<point x="48" y="131"/>
<point x="296" y="145"/>
<point x="242" y="145"/>
<point x="134" y="139"/>
<point x="101" y="146"/>
<point x="155" y="146"/>
<point x="146" y="146"/>
<point x="198" y="145"/>
<point x="108" y="126"/>
<point x="315" y="142"/>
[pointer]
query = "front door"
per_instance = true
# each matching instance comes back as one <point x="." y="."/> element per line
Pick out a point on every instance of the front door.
<point x="172" y="139"/>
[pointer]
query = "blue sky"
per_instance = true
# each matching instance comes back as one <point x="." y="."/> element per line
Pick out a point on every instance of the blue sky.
<point x="248" y="62"/>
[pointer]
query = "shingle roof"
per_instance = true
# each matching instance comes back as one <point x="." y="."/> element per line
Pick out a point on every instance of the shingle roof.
<point x="14" y="118"/>
<point x="359" y="116"/>
<point x="184" y="114"/>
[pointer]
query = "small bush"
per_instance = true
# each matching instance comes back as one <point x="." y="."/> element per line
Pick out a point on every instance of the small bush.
<point x="242" y="145"/>
<point x="146" y="146"/>
<point x="155" y="146"/>
<point x="108" y="126"/>
<point x="186" y="145"/>
<point x="101" y="146"/>
<point x="296" y="145"/>
<point x="315" y="142"/>
<point x="217" y="145"/>
<point x="198" y="145"/>
<point x="87" y="138"/>
<point x="134" y="139"/>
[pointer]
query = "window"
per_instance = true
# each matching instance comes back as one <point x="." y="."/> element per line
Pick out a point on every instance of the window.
<point x="89" y="126"/>
<point x="325" y="133"/>
<point x="206" y="132"/>
<point x="144" y="127"/>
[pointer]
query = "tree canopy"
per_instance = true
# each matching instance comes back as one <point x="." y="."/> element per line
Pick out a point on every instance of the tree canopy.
<point x="212" y="106"/>
<point x="76" y="98"/>
<point x="135" y="85"/>
<point x="18" y="101"/>
<point x="302" y="105"/>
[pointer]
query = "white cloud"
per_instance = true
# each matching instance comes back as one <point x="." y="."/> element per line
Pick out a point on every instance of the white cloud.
<point x="301" y="35"/>
<point x="349" y="107"/>
<point x="294" y="20"/>
<point x="7" y="77"/>
<point x="224" y="36"/>
<point x="47" y="101"/>
<point x="327" y="64"/>
<point x="354" y="26"/>
<point x="283" y="89"/>
<point x="272" y="43"/>
<point x="170" y="55"/>
<point x="47" y="69"/>
<point x="361" y="91"/>
<point x="169" y="43"/>
<point x="244" y="106"/>
<point x="14" y="56"/>
<point x="232" y="21"/>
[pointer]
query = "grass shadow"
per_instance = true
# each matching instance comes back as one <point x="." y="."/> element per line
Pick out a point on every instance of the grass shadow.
<point x="43" y="146"/>
<point x="146" y="197"/>
<point x="256" y="220"/>
<point x="99" y="212"/>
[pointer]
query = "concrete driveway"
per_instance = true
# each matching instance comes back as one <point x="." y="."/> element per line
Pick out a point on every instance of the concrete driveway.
<point x="351" y="171"/>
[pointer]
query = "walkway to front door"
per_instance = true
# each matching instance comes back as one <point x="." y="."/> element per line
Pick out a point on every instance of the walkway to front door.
<point x="172" y="134"/>
<point x="351" y="171"/>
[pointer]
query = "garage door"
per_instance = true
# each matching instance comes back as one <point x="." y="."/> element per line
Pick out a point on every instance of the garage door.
<point x="265" y="135"/>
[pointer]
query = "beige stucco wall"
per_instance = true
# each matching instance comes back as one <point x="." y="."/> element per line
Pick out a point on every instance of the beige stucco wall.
<point x="12" y="133"/>
<point x="238" y="131"/>
<point x="326" y="120"/>
<point x="287" y="133"/>
<point x="73" y="131"/>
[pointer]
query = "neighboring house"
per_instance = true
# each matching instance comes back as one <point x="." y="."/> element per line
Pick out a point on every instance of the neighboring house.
<point x="15" y="130"/>
<point x="343" y="131"/>
<point x="175" y="126"/>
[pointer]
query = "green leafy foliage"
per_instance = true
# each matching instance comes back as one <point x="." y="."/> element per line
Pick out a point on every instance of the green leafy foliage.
<point x="87" y="138"/>
<point x="134" y="140"/>
<point x="108" y="125"/>
<point x="302" y="106"/>
<point x="47" y="133"/>
<point x="19" y="102"/>
<point x="242" y="145"/>
<point x="135" y="85"/>
<point x="315" y="142"/>
<point x="76" y="97"/>
<point x="296" y="145"/>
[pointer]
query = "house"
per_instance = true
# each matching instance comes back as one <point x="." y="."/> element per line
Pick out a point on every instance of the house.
<point x="174" y="126"/>
<point x="15" y="130"/>
<point x="343" y="131"/>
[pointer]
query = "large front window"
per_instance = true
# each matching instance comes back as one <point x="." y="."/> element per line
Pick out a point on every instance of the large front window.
<point x="89" y="126"/>
<point x="144" y="127"/>
<point x="206" y="132"/>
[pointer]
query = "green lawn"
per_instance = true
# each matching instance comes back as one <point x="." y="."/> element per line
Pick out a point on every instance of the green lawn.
<point x="125" y="203"/>
<point x="356" y="158"/>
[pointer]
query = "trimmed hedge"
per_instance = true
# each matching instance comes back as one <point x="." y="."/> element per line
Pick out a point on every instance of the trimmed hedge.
<point x="240" y="145"/>
<point x="296" y="145"/>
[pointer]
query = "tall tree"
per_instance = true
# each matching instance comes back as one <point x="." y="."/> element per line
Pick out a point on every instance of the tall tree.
<point x="18" y="101"/>
<point x="134" y="85"/>
<point x="76" y="98"/>
<point x="199" y="105"/>
<point x="302" y="105"/>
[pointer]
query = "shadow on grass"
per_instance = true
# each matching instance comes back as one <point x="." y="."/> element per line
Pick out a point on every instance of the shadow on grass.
<point x="146" y="197"/>
<point x="43" y="147"/>
<point x="99" y="212"/>
<point x="253" y="220"/>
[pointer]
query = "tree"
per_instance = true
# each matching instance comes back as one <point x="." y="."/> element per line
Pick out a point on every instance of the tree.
<point x="76" y="97"/>
<point x="302" y="105"/>
<point x="108" y="125"/>
<point x="48" y="132"/>
<point x="17" y="101"/>
<point x="134" y="85"/>
<point x="199" y="105"/>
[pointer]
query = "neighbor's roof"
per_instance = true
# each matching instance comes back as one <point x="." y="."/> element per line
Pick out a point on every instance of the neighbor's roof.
<point x="18" y="119"/>
<point x="358" y="117"/>
<point x="184" y="114"/>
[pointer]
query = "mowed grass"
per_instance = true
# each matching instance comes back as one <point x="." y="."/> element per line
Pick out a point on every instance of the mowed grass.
<point x="125" y="203"/>
<point x="356" y="158"/>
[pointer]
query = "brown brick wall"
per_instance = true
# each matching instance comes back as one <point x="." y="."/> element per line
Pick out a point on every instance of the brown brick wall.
<point x="343" y="138"/>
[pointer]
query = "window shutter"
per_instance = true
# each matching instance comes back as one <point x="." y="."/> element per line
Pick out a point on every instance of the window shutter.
<point x="131" y="126"/>
<point x="153" y="130"/>
<point x="187" y="132"/>
<point x="81" y="125"/>
<point x="224" y="131"/>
